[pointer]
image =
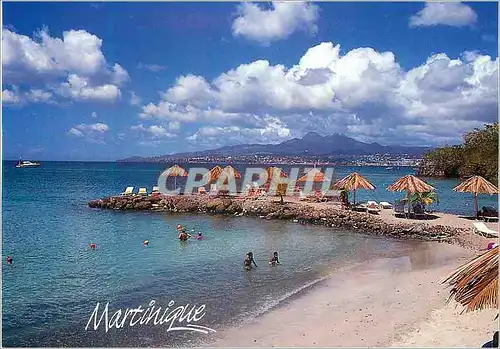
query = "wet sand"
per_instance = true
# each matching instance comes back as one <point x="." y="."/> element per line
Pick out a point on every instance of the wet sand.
<point x="386" y="302"/>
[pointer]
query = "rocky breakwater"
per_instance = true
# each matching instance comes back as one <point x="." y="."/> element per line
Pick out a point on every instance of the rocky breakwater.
<point x="303" y="213"/>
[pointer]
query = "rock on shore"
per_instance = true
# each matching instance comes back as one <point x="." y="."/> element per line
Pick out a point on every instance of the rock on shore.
<point x="330" y="216"/>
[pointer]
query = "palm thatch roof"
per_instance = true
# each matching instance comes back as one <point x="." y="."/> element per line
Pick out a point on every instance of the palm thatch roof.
<point x="476" y="185"/>
<point x="230" y="171"/>
<point x="177" y="171"/>
<point x="275" y="171"/>
<point x="411" y="184"/>
<point x="354" y="181"/>
<point x="475" y="284"/>
<point x="315" y="175"/>
<point x="214" y="173"/>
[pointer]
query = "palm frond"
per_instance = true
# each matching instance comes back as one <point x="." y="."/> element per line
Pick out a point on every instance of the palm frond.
<point x="475" y="284"/>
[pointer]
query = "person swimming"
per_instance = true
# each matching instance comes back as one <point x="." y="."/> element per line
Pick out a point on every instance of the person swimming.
<point x="199" y="236"/>
<point x="93" y="246"/>
<point x="183" y="236"/>
<point x="248" y="261"/>
<point x="10" y="260"/>
<point x="274" y="259"/>
<point x="146" y="242"/>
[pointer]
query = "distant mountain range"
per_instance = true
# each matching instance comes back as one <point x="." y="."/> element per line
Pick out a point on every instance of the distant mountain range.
<point x="311" y="144"/>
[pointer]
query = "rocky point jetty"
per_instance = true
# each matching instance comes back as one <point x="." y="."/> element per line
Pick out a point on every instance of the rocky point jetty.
<point x="327" y="215"/>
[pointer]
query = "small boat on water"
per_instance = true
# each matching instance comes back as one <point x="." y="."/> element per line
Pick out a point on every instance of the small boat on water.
<point x="388" y="168"/>
<point x="26" y="163"/>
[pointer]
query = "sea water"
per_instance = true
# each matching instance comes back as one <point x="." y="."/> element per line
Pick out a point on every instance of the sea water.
<point x="56" y="280"/>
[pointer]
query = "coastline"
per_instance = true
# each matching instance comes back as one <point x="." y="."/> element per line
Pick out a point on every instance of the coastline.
<point x="441" y="227"/>
<point x="383" y="302"/>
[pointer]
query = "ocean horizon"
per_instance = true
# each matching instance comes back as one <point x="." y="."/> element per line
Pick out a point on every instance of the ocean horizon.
<point x="56" y="280"/>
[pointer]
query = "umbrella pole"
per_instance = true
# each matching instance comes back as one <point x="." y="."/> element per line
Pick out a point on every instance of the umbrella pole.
<point x="476" y="206"/>
<point x="354" y="197"/>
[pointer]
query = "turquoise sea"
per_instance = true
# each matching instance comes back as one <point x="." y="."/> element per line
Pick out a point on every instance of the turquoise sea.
<point x="55" y="282"/>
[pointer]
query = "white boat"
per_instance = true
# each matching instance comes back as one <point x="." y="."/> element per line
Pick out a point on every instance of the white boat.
<point x="26" y="163"/>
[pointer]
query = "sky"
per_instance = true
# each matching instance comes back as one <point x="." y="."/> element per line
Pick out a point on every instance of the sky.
<point x="104" y="81"/>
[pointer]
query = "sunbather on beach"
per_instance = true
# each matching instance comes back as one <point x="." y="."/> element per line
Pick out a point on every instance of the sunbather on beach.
<point x="274" y="259"/>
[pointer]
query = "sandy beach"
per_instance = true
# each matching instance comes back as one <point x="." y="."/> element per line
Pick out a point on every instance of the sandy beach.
<point x="387" y="302"/>
<point x="394" y="301"/>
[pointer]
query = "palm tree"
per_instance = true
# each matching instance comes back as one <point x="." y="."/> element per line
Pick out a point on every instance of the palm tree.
<point x="281" y="190"/>
<point x="425" y="198"/>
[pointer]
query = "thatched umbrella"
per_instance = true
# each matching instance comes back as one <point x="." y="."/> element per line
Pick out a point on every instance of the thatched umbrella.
<point x="275" y="170"/>
<point x="476" y="185"/>
<point x="176" y="171"/>
<point x="318" y="176"/>
<point x="230" y="171"/>
<point x="354" y="182"/>
<point x="315" y="175"/>
<point x="475" y="284"/>
<point x="410" y="184"/>
<point x="214" y="174"/>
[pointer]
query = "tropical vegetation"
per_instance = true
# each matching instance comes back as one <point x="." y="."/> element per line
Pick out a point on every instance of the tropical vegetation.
<point x="478" y="155"/>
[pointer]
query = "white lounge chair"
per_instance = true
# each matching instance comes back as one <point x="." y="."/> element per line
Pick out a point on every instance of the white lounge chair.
<point x="360" y="207"/>
<point x="385" y="205"/>
<point x="372" y="207"/>
<point x="482" y="229"/>
<point x="128" y="191"/>
<point x="143" y="191"/>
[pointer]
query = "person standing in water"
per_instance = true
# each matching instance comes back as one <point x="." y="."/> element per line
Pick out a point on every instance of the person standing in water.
<point x="274" y="259"/>
<point x="183" y="236"/>
<point x="248" y="261"/>
<point x="9" y="259"/>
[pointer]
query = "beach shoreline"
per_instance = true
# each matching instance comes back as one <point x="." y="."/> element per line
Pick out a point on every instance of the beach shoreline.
<point x="383" y="302"/>
<point x="442" y="227"/>
<point x="390" y="301"/>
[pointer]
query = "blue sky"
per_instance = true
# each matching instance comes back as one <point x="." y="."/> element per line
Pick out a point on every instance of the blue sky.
<point x="102" y="81"/>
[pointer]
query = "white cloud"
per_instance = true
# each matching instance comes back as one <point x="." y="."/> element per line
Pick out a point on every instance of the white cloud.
<point x="91" y="132"/>
<point x="154" y="132"/>
<point x="134" y="99"/>
<point x="17" y="97"/>
<point x="174" y="126"/>
<point x="192" y="89"/>
<point x="278" y="22"/>
<point x="325" y="89"/>
<point x="37" y="95"/>
<point x="75" y="132"/>
<point x="72" y="67"/>
<point x="78" y="88"/>
<point x="453" y="14"/>
<point x="152" y="67"/>
<point x="120" y="75"/>
<point x="10" y="97"/>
